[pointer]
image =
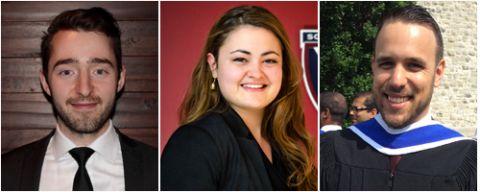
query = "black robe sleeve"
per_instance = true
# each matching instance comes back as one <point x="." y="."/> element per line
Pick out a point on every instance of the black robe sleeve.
<point x="327" y="161"/>
<point x="467" y="173"/>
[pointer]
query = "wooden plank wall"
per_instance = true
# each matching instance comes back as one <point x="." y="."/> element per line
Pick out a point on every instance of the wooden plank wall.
<point x="26" y="113"/>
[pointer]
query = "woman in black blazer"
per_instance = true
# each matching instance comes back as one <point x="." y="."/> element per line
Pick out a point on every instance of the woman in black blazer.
<point x="242" y="119"/>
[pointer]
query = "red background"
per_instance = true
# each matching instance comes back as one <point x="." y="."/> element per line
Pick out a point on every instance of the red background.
<point x="184" y="29"/>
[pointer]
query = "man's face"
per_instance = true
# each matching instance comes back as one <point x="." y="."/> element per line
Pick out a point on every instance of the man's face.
<point x="359" y="112"/>
<point x="405" y="72"/>
<point x="82" y="80"/>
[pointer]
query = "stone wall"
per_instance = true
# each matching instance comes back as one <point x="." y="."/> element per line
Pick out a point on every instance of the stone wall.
<point x="454" y="102"/>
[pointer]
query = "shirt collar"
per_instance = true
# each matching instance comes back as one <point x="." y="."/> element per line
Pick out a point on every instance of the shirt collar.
<point x="60" y="144"/>
<point x="331" y="128"/>
<point x="106" y="145"/>
<point x="424" y="121"/>
<point x="236" y="123"/>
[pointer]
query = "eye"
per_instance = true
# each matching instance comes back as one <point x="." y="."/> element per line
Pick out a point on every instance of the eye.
<point x="271" y="61"/>
<point x="415" y="67"/>
<point x="239" y="60"/>
<point x="101" y="72"/>
<point x="386" y="65"/>
<point x="65" y="72"/>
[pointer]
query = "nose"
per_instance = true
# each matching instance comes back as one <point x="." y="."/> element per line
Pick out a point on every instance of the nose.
<point x="398" y="78"/>
<point x="84" y="84"/>
<point x="255" y="70"/>
<point x="352" y="113"/>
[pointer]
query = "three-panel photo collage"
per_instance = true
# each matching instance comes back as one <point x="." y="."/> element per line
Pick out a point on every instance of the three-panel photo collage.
<point x="239" y="95"/>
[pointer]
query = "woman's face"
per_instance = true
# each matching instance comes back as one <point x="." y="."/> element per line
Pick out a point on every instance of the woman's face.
<point x="248" y="68"/>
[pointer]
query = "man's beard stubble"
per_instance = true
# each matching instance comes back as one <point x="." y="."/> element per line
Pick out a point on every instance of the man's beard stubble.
<point x="411" y="115"/>
<point x="83" y="123"/>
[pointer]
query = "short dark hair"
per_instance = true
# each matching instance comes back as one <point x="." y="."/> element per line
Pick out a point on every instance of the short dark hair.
<point x="336" y="103"/>
<point x="418" y="15"/>
<point x="369" y="99"/>
<point x="94" y="19"/>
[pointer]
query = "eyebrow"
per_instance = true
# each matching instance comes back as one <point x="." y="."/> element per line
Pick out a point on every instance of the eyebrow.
<point x="94" y="60"/>
<point x="409" y="59"/>
<point x="382" y="59"/>
<point x="270" y="52"/>
<point x="65" y="61"/>
<point x="97" y="60"/>
<point x="416" y="60"/>
<point x="249" y="53"/>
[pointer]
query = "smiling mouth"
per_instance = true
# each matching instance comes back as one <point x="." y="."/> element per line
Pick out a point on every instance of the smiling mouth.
<point x="84" y="106"/>
<point x="254" y="86"/>
<point x="398" y="100"/>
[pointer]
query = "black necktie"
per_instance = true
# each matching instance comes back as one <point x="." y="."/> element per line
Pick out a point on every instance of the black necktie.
<point x="82" y="180"/>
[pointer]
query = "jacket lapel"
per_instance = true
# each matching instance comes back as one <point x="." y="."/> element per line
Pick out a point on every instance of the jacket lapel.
<point x="251" y="152"/>
<point x="33" y="162"/>
<point x="132" y="161"/>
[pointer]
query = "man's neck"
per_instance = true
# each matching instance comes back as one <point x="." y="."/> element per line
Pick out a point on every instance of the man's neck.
<point x="424" y="119"/>
<point x="327" y="121"/>
<point x="82" y="139"/>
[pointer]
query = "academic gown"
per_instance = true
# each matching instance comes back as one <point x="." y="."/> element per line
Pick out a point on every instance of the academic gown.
<point x="218" y="152"/>
<point x="348" y="163"/>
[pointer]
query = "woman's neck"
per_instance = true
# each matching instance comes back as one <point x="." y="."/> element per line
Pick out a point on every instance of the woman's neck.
<point x="253" y="119"/>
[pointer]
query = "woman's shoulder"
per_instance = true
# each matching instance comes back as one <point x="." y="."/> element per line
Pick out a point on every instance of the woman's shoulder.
<point x="208" y="129"/>
<point x="211" y="123"/>
<point x="195" y="149"/>
<point x="208" y="120"/>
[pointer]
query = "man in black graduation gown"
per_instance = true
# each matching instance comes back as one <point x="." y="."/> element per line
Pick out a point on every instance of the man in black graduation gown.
<point x="333" y="108"/>
<point x="402" y="148"/>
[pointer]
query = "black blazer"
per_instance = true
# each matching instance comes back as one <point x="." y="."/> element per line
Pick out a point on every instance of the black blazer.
<point x="218" y="152"/>
<point x="21" y="168"/>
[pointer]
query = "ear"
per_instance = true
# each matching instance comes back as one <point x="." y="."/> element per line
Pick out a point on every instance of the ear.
<point x="439" y="71"/>
<point x="325" y="114"/>
<point x="43" y="81"/>
<point x="350" y="112"/>
<point x="374" y="111"/>
<point x="121" y="80"/>
<point x="372" y="62"/>
<point x="213" y="65"/>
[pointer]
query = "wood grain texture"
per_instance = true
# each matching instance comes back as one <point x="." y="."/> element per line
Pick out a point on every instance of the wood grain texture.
<point x="45" y="11"/>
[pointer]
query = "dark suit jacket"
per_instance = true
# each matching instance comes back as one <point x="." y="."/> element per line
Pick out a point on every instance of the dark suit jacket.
<point x="218" y="152"/>
<point x="21" y="167"/>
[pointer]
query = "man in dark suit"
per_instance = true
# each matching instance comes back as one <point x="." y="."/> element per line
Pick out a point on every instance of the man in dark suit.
<point x="83" y="74"/>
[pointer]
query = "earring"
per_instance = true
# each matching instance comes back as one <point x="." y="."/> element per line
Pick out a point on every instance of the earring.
<point x="212" y="87"/>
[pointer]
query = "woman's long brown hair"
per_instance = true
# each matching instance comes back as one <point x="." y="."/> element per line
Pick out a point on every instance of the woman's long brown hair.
<point x="283" y="123"/>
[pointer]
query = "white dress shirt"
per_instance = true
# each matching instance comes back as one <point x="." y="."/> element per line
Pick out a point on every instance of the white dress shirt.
<point x="104" y="167"/>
